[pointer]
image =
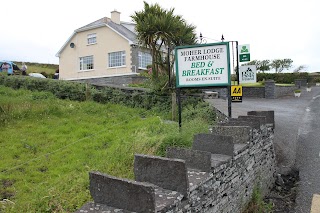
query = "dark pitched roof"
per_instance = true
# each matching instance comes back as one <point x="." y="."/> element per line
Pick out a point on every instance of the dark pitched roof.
<point x="124" y="31"/>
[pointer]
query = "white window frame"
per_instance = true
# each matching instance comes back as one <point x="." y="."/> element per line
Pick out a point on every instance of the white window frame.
<point x="117" y="59"/>
<point x="86" y="63"/>
<point x="92" y="38"/>
<point x="145" y="59"/>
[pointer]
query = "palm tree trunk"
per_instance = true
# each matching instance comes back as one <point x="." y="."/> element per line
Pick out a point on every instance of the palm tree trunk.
<point x="154" y="68"/>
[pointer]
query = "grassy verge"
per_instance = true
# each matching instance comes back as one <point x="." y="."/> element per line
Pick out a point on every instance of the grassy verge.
<point x="48" y="146"/>
<point x="258" y="84"/>
<point x="285" y="85"/>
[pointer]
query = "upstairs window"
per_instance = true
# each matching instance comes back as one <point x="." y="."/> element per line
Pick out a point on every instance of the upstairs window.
<point x="86" y="63"/>
<point x="117" y="59"/>
<point x="92" y="38"/>
<point x="145" y="59"/>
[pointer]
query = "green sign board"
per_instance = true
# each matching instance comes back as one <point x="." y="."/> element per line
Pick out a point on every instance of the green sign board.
<point x="203" y="65"/>
<point x="244" y="52"/>
<point x="244" y="57"/>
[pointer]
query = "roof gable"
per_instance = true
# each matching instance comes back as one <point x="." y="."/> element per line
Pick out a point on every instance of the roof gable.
<point x="125" y="32"/>
<point x="98" y="23"/>
<point x="123" y="29"/>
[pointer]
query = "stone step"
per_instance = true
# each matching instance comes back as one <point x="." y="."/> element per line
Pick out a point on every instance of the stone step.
<point x="219" y="159"/>
<point x="240" y="147"/>
<point x="216" y="144"/>
<point x="166" y="199"/>
<point x="92" y="207"/>
<point x="194" y="159"/>
<point x="112" y="194"/>
<point x="197" y="177"/>
<point x="167" y="173"/>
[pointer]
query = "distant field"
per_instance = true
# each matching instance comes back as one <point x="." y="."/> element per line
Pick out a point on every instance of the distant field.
<point x="257" y="84"/>
<point x="285" y="85"/>
<point x="47" y="69"/>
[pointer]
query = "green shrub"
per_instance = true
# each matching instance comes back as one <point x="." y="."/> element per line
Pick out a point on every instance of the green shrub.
<point x="184" y="136"/>
<point x="156" y="100"/>
<point x="201" y="110"/>
<point x="317" y="80"/>
<point x="282" y="78"/>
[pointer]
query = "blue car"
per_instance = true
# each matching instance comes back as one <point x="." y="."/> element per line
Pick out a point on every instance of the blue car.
<point x="8" y="67"/>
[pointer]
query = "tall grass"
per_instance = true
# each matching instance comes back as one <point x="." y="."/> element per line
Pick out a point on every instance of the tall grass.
<point x="48" y="146"/>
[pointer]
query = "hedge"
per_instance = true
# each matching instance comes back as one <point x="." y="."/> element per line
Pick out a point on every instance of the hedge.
<point x="81" y="92"/>
<point x="284" y="78"/>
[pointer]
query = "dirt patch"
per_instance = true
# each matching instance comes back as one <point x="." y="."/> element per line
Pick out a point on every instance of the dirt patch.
<point x="284" y="192"/>
<point x="6" y="191"/>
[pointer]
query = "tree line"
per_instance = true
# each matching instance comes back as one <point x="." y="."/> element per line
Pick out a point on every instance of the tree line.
<point x="278" y="65"/>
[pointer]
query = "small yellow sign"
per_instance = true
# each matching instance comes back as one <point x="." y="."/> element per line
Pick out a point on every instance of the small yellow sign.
<point x="236" y="91"/>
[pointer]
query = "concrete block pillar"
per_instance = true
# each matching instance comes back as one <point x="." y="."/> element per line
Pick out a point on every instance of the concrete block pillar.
<point x="270" y="89"/>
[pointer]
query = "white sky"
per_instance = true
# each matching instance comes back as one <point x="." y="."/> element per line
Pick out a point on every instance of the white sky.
<point x="35" y="30"/>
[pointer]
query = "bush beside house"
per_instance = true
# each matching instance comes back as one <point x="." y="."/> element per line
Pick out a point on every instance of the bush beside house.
<point x="131" y="97"/>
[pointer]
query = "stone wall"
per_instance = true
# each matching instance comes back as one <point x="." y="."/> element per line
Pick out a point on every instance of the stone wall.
<point x="218" y="174"/>
<point x="282" y="91"/>
<point x="114" y="80"/>
<point x="222" y="91"/>
<point x="301" y="82"/>
<point x="269" y="91"/>
<point x="253" y="92"/>
<point x="273" y="91"/>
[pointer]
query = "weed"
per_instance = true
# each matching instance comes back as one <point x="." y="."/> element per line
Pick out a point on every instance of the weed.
<point x="5" y="110"/>
<point x="257" y="204"/>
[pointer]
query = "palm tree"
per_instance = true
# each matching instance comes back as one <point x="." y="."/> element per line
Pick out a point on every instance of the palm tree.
<point x="159" y="29"/>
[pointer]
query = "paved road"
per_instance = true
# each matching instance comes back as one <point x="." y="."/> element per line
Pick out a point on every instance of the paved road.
<point x="308" y="157"/>
<point x="297" y="130"/>
<point x="289" y="113"/>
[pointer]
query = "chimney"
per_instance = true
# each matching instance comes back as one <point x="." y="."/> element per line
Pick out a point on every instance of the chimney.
<point x="115" y="17"/>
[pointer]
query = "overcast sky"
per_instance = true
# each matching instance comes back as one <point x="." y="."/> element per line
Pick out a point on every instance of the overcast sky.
<point x="35" y="30"/>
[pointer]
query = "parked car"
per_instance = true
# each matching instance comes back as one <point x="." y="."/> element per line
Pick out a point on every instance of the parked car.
<point x="37" y="75"/>
<point x="9" y="68"/>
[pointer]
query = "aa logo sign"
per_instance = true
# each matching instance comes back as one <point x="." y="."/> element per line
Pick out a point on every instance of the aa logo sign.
<point x="236" y="90"/>
<point x="236" y="93"/>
